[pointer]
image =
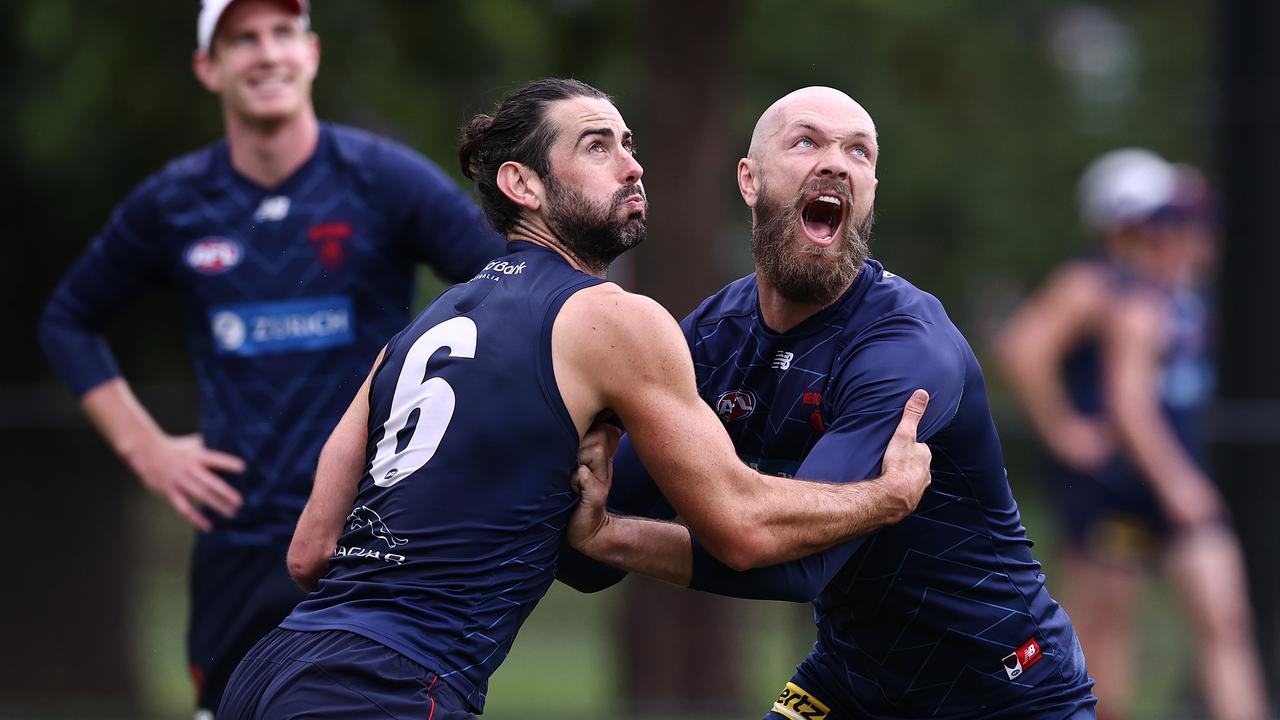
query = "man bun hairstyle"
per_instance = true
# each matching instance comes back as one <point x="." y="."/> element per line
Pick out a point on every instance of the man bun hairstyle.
<point x="517" y="132"/>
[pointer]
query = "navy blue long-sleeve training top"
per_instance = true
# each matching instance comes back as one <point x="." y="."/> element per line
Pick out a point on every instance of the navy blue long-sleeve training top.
<point x="288" y="293"/>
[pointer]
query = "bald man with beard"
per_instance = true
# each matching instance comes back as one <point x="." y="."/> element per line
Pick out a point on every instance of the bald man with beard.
<point x="807" y="363"/>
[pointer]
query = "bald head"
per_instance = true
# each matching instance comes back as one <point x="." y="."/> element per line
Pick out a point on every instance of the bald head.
<point x="815" y="100"/>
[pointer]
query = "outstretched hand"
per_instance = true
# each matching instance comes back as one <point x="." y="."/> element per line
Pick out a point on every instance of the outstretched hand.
<point x="591" y="481"/>
<point x="905" y="470"/>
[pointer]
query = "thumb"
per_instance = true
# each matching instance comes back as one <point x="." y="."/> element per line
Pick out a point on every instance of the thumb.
<point x="912" y="413"/>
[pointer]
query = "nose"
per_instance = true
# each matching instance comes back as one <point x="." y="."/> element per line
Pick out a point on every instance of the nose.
<point x="833" y="164"/>
<point x="632" y="172"/>
<point x="268" y="48"/>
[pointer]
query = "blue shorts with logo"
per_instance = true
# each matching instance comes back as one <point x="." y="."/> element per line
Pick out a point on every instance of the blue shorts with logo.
<point x="805" y="698"/>
<point x="334" y="675"/>
<point x="239" y="592"/>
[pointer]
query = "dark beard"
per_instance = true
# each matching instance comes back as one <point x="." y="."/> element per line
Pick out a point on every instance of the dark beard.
<point x="785" y="266"/>
<point x="592" y="233"/>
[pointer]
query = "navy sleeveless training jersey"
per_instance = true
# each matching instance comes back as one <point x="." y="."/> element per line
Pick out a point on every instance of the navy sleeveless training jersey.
<point x="934" y="616"/>
<point x="1117" y="492"/>
<point x="288" y="294"/>
<point x="457" y="523"/>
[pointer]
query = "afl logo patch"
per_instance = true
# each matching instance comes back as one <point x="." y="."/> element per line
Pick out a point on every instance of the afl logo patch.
<point x="735" y="405"/>
<point x="213" y="255"/>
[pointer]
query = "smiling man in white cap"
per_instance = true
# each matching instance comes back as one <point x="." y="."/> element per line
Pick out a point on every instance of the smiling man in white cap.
<point x="292" y="244"/>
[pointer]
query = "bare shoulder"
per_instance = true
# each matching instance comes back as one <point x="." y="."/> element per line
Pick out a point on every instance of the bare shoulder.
<point x="610" y="318"/>
<point x="1083" y="286"/>
<point x="609" y="302"/>
<point x="620" y="336"/>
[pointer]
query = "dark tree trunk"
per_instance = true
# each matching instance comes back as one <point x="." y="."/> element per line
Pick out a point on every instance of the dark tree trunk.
<point x="1249" y="411"/>
<point x="680" y="649"/>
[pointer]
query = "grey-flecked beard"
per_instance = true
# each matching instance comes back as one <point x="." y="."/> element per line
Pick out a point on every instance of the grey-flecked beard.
<point x="590" y="231"/>
<point x="779" y="259"/>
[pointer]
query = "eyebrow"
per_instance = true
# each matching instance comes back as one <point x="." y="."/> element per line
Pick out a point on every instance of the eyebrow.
<point x="603" y="132"/>
<point x="858" y="134"/>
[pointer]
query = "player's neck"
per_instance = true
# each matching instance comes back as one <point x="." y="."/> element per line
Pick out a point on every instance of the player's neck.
<point x="536" y="231"/>
<point x="268" y="153"/>
<point x="780" y="314"/>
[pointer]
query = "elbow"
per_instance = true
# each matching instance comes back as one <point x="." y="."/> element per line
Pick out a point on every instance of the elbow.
<point x="740" y="546"/>
<point x="307" y="563"/>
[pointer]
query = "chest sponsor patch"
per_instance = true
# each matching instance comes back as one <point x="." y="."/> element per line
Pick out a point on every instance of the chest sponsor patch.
<point x="1024" y="657"/>
<point x="213" y="255"/>
<point x="266" y="328"/>
<point x="797" y="704"/>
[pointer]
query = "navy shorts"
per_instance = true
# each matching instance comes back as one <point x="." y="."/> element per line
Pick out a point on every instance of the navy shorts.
<point x="1109" y="515"/>
<point x="238" y="594"/>
<point x="334" y="675"/>
<point x="804" y="698"/>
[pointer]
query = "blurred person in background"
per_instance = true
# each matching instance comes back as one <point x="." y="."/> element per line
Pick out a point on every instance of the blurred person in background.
<point x="1111" y="362"/>
<point x="293" y="245"/>
<point x="944" y="614"/>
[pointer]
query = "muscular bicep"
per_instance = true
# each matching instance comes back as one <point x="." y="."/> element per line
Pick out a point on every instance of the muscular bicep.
<point x="623" y="353"/>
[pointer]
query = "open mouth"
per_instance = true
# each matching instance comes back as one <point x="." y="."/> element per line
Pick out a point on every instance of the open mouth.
<point x="821" y="217"/>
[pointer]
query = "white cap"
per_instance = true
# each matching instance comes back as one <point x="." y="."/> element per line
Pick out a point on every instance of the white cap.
<point x="1125" y="187"/>
<point x="211" y="12"/>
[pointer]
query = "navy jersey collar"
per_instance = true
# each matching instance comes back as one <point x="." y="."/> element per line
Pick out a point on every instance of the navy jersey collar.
<point x="226" y="174"/>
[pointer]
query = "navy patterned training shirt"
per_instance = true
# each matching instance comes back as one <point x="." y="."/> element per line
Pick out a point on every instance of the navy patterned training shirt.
<point x="288" y="293"/>
<point x="919" y="619"/>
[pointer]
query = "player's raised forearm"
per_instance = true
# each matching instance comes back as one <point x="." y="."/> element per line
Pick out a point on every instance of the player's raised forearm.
<point x="809" y="517"/>
<point x="629" y="353"/>
<point x="337" y="480"/>
<point x="655" y="548"/>
<point x="790" y="519"/>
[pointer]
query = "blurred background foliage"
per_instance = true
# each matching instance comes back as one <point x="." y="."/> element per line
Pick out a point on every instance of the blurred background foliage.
<point x="987" y="112"/>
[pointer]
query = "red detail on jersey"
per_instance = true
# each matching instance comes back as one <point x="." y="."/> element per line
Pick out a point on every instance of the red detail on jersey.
<point x="329" y="236"/>
<point x="811" y="398"/>
<point x="815" y="422"/>
<point x="1029" y="654"/>
<point x="735" y="405"/>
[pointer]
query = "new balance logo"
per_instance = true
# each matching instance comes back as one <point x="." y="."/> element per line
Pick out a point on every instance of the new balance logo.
<point x="782" y="360"/>
<point x="272" y="208"/>
<point x="1015" y="663"/>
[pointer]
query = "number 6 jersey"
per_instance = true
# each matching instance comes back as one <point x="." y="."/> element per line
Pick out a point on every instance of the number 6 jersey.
<point x="456" y="526"/>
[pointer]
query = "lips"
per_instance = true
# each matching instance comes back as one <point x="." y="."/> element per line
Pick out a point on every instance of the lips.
<point x="822" y="215"/>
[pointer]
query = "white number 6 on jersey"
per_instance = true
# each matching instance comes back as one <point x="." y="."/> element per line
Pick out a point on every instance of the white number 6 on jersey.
<point x="432" y="399"/>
